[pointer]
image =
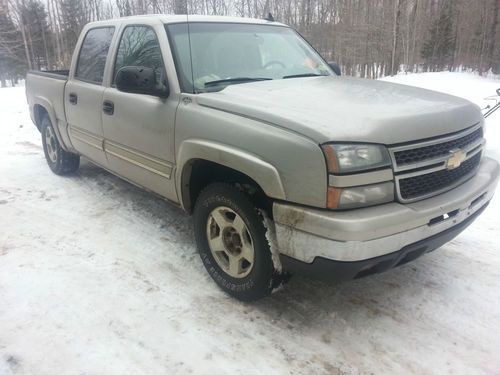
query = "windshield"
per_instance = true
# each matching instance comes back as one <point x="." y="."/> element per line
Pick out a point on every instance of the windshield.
<point x="231" y="53"/>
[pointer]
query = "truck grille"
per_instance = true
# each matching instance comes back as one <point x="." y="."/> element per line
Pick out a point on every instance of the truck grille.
<point x="440" y="149"/>
<point x="424" y="184"/>
<point x="421" y="169"/>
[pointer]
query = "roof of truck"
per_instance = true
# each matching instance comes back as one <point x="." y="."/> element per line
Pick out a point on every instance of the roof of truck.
<point x="167" y="18"/>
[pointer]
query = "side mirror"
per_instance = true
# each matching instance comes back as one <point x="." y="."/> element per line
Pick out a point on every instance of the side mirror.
<point x="140" y="80"/>
<point x="335" y="67"/>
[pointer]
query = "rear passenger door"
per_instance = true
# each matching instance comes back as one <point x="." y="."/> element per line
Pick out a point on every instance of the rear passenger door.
<point x="83" y="94"/>
<point x="139" y="131"/>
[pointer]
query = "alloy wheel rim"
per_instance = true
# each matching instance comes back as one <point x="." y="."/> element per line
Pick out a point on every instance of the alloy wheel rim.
<point x="230" y="242"/>
<point x="50" y="142"/>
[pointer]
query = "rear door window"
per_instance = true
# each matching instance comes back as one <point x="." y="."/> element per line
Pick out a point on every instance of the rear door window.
<point x="92" y="58"/>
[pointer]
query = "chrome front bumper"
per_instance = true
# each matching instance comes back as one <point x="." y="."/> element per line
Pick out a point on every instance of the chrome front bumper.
<point x="349" y="236"/>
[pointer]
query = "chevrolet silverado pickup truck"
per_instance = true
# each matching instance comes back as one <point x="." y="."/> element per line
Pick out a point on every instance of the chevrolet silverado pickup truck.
<point x="286" y="166"/>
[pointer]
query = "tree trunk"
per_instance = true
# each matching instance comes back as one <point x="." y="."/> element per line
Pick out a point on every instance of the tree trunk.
<point x="25" y="42"/>
<point x="493" y="37"/>
<point x="395" y="32"/>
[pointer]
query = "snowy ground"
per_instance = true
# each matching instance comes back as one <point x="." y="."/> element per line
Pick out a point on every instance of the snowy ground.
<point x="99" y="277"/>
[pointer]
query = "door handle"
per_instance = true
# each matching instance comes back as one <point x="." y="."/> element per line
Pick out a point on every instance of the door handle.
<point x="73" y="98"/>
<point x="108" y="107"/>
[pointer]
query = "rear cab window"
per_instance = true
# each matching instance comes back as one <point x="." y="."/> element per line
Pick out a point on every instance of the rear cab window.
<point x="93" y="54"/>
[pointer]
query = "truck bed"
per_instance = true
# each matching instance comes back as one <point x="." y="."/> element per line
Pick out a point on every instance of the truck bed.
<point x="45" y="89"/>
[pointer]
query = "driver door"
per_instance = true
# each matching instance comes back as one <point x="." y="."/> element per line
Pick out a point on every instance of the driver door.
<point x="138" y="128"/>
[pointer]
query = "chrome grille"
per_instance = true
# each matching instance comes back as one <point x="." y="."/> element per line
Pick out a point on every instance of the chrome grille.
<point x="415" y="155"/>
<point x="421" y="170"/>
<point x="424" y="184"/>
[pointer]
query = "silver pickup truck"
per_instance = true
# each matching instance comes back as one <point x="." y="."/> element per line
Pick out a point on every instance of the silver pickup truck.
<point x="287" y="167"/>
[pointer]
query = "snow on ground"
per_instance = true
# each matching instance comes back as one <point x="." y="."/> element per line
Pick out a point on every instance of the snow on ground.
<point x="466" y="85"/>
<point x="99" y="277"/>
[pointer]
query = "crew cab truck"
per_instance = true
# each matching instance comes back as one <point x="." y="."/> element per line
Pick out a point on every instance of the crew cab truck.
<point x="287" y="167"/>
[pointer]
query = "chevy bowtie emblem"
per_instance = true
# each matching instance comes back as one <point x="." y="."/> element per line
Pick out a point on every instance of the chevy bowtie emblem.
<point x="456" y="158"/>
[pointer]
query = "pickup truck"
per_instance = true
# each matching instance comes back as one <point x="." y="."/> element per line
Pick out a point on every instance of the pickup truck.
<point x="287" y="167"/>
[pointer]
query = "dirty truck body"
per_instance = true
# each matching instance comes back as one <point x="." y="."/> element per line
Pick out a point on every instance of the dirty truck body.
<point x="287" y="167"/>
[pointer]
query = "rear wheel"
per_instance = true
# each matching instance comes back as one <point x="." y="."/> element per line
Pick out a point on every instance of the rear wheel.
<point x="60" y="162"/>
<point x="232" y="243"/>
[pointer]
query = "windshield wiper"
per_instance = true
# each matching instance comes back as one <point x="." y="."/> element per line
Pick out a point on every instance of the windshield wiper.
<point x="305" y="75"/>
<point x="235" y="80"/>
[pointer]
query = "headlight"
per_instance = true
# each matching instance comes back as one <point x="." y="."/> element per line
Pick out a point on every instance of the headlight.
<point x="345" y="158"/>
<point x="360" y="196"/>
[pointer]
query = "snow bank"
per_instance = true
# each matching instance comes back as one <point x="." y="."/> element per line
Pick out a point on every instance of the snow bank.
<point x="99" y="277"/>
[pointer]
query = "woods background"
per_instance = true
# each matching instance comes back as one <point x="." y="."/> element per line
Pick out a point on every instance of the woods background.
<point x="367" y="38"/>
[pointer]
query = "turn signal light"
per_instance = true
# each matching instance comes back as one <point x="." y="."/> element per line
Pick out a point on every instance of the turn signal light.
<point x="333" y="197"/>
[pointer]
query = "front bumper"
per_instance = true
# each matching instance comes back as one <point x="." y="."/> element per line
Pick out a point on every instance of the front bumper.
<point x="373" y="239"/>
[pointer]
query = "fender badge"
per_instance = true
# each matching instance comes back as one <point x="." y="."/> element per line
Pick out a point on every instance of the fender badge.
<point x="457" y="156"/>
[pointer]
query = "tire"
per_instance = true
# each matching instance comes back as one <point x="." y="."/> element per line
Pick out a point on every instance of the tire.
<point x="217" y="227"/>
<point x="60" y="162"/>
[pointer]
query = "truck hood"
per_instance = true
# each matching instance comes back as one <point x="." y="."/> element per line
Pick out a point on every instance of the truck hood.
<point x="347" y="109"/>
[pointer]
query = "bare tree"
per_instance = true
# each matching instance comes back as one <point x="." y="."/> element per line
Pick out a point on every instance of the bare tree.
<point x="180" y="7"/>
<point x="368" y="38"/>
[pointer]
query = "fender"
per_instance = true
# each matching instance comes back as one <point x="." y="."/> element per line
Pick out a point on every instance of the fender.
<point x="45" y="104"/>
<point x="265" y="174"/>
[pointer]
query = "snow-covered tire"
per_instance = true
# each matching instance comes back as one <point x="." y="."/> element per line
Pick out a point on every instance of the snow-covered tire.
<point x="231" y="239"/>
<point x="60" y="162"/>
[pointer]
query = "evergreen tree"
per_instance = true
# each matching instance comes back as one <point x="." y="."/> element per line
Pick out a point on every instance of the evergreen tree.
<point x="12" y="60"/>
<point x="74" y="15"/>
<point x="39" y="34"/>
<point x="437" y="51"/>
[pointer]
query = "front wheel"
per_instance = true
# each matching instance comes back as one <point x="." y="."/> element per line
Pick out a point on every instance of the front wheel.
<point x="231" y="239"/>
<point x="60" y="162"/>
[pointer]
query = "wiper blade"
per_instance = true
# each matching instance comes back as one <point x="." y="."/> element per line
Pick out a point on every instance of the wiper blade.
<point x="305" y="75"/>
<point x="236" y="80"/>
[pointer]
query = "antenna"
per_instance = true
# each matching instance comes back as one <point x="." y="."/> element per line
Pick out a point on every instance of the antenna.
<point x="269" y="17"/>
<point x="190" y="49"/>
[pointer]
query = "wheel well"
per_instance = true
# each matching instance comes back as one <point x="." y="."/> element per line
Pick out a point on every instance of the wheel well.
<point x="198" y="174"/>
<point x="39" y="111"/>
